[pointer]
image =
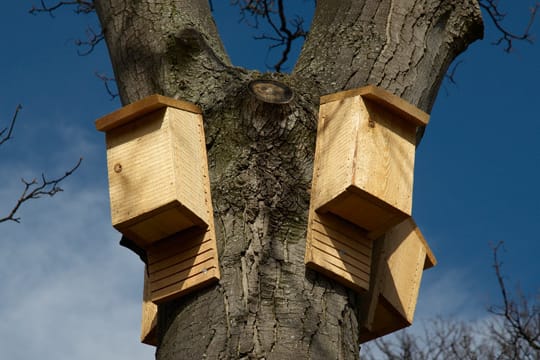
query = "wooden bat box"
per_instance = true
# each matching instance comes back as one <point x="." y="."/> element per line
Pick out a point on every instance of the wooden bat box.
<point x="366" y="142"/>
<point x="157" y="168"/>
<point x="398" y="262"/>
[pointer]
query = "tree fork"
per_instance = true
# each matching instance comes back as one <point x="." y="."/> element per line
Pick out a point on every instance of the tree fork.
<point x="267" y="305"/>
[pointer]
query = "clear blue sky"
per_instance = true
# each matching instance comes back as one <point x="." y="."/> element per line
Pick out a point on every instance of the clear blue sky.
<point x="69" y="292"/>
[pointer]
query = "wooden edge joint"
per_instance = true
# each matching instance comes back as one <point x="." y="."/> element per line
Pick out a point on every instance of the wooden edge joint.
<point x="405" y="109"/>
<point x="142" y="107"/>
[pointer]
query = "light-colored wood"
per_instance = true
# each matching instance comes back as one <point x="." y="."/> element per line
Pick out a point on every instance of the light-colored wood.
<point x="149" y="316"/>
<point x="338" y="249"/>
<point x="403" y="108"/>
<point x="365" y="166"/>
<point x="400" y="259"/>
<point x="182" y="263"/>
<point x="158" y="180"/>
<point x="140" y="108"/>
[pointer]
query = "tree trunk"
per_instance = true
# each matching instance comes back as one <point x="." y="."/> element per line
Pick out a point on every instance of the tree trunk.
<point x="267" y="304"/>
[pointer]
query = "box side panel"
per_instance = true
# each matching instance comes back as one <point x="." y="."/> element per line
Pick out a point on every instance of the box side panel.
<point x="139" y="167"/>
<point x="386" y="321"/>
<point x="182" y="263"/>
<point x="340" y="250"/>
<point x="405" y="255"/>
<point x="190" y="169"/>
<point x="334" y="150"/>
<point x="149" y="317"/>
<point x="385" y="155"/>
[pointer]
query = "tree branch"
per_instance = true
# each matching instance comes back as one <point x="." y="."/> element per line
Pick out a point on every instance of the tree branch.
<point x="521" y="320"/>
<point x="106" y="81"/>
<point x="81" y="7"/>
<point x="283" y="35"/>
<point x="93" y="38"/>
<point x="497" y="17"/>
<point x="5" y="133"/>
<point x="35" y="189"/>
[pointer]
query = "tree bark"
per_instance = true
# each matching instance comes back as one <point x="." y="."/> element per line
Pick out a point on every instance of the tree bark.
<point x="267" y="304"/>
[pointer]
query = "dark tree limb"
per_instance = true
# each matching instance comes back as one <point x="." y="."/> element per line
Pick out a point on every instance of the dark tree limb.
<point x="81" y="7"/>
<point x="284" y="32"/>
<point x="507" y="36"/>
<point x="36" y="189"/>
<point x="93" y="38"/>
<point x="521" y="320"/>
<point x="5" y="133"/>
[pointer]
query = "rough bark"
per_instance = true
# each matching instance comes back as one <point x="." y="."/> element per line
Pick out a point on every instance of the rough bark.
<point x="268" y="305"/>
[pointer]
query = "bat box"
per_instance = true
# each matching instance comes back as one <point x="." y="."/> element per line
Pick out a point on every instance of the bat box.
<point x="366" y="142"/>
<point x="157" y="168"/>
<point x="398" y="262"/>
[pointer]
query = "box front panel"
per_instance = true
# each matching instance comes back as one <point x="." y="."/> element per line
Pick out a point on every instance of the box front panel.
<point x="335" y="150"/>
<point x="385" y="157"/>
<point x="140" y="169"/>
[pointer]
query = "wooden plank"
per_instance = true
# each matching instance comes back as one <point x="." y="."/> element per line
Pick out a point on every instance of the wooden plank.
<point x="340" y="258"/>
<point x="185" y="266"/>
<point x="395" y="103"/>
<point x="181" y="256"/>
<point x="337" y="251"/>
<point x="201" y="276"/>
<point x="399" y="261"/>
<point x="149" y="316"/>
<point x="140" y="108"/>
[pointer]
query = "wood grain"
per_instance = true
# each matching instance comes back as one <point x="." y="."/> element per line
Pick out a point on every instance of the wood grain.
<point x="365" y="162"/>
<point x="402" y="257"/>
<point x="140" y="108"/>
<point x="158" y="175"/>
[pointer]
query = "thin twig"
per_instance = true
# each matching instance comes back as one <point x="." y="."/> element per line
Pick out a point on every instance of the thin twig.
<point x="497" y="17"/>
<point x="92" y="39"/>
<point x="6" y="136"/>
<point x="273" y="13"/>
<point x="82" y="7"/>
<point x="35" y="189"/>
<point x="106" y="81"/>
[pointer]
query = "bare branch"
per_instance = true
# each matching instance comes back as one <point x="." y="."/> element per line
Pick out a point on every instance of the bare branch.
<point x="5" y="133"/>
<point x="521" y="320"/>
<point x="35" y="189"/>
<point x="284" y="32"/>
<point x="106" y="81"/>
<point x="497" y="17"/>
<point x="92" y="39"/>
<point x="81" y="7"/>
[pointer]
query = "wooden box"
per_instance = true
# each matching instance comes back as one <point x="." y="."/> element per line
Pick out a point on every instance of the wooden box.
<point x="366" y="141"/>
<point x="398" y="262"/>
<point x="157" y="167"/>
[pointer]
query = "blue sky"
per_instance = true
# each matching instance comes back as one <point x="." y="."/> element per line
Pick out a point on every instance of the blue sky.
<point x="70" y="292"/>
